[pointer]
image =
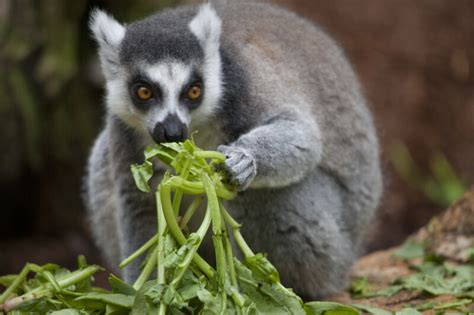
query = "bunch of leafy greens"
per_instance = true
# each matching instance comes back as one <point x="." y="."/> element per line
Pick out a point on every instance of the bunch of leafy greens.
<point x="174" y="279"/>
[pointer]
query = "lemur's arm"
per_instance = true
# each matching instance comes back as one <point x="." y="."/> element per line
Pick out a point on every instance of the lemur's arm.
<point x="275" y="154"/>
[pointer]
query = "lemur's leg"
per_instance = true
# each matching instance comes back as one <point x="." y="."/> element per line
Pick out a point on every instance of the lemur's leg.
<point x="275" y="154"/>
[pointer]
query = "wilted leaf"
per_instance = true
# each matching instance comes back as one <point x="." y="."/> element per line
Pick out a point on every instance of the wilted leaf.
<point x="142" y="174"/>
<point x="371" y="309"/>
<point x="410" y="249"/>
<point x="329" y="308"/>
<point x="408" y="311"/>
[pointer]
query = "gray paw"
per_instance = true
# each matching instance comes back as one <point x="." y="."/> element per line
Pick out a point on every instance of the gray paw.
<point x="240" y="165"/>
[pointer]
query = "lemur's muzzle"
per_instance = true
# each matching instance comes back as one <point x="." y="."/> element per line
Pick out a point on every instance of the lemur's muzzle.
<point x="172" y="129"/>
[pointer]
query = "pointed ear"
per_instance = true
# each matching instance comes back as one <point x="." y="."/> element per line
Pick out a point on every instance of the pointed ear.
<point x="109" y="34"/>
<point x="207" y="25"/>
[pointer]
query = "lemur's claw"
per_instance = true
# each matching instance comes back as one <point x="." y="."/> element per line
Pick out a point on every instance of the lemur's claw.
<point x="240" y="165"/>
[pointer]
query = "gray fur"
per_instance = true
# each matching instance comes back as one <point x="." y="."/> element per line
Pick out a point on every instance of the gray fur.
<point x="293" y="122"/>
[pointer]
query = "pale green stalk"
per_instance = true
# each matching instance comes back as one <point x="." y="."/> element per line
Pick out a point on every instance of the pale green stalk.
<point x="176" y="231"/>
<point x="178" y="195"/>
<point x="239" y="239"/>
<point x="213" y="204"/>
<point x="152" y="241"/>
<point x="197" y="188"/>
<point x="16" y="283"/>
<point x="190" y="212"/>
<point x="147" y="271"/>
<point x="210" y="155"/>
<point x="236" y="296"/>
<point x="161" y="279"/>
<point x="161" y="242"/>
<point x="201" y="232"/>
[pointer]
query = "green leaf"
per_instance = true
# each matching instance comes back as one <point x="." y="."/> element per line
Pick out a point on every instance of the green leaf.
<point x="7" y="280"/>
<point x="410" y="250"/>
<point x="212" y="303"/>
<point x="453" y="304"/>
<point x="265" y="297"/>
<point x="142" y="174"/>
<point x="174" y="146"/>
<point x="111" y="298"/>
<point x="426" y="306"/>
<point x="436" y="284"/>
<point x="371" y="309"/>
<point x="360" y="287"/>
<point x="408" y="311"/>
<point x="69" y="311"/>
<point x="119" y="286"/>
<point x="116" y="310"/>
<point x="141" y="305"/>
<point x="388" y="291"/>
<point x="329" y="308"/>
<point x="262" y="269"/>
<point x="41" y="306"/>
<point x="470" y="254"/>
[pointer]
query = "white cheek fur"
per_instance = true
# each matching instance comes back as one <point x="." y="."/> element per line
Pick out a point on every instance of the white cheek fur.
<point x="207" y="25"/>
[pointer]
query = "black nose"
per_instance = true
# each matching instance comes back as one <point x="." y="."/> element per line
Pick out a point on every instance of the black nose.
<point x="172" y="129"/>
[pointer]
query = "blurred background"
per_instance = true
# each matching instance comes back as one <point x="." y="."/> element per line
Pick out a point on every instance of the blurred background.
<point x="414" y="59"/>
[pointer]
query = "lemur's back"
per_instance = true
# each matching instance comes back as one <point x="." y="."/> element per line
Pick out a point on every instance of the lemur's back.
<point x="295" y="62"/>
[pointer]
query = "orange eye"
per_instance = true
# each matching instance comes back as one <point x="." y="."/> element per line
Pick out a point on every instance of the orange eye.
<point x="194" y="93"/>
<point x="144" y="93"/>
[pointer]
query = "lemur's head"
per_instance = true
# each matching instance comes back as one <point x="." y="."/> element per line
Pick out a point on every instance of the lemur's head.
<point x="162" y="73"/>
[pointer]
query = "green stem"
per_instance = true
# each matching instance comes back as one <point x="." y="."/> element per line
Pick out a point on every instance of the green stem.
<point x="210" y="155"/>
<point x="63" y="282"/>
<point x="201" y="233"/>
<point x="230" y="261"/>
<point x="239" y="239"/>
<point x="49" y="276"/>
<point x="213" y="205"/>
<point x="176" y="231"/>
<point x="238" y="299"/>
<point x="197" y="188"/>
<point x="147" y="271"/>
<point x="161" y="242"/>
<point x="78" y="276"/>
<point x="190" y="212"/>
<point x="16" y="283"/>
<point x="179" y="193"/>
<point x="139" y="252"/>
<point x="162" y="310"/>
<point x="160" y="268"/>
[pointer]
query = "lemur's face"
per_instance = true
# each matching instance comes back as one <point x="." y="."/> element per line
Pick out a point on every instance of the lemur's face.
<point x="163" y="75"/>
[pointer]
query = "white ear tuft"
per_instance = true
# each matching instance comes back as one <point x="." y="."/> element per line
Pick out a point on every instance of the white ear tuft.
<point x="106" y="29"/>
<point x="109" y="34"/>
<point x="206" y="25"/>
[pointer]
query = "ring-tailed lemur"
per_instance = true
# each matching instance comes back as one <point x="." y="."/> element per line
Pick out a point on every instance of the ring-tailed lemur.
<point x="271" y="91"/>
